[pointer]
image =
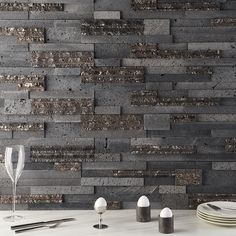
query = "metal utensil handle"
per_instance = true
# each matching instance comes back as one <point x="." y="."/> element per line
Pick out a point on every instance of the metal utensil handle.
<point x="30" y="228"/>
<point x="14" y="227"/>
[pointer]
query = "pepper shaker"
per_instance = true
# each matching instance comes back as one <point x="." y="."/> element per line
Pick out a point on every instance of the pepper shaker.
<point x="143" y="210"/>
<point x="166" y="221"/>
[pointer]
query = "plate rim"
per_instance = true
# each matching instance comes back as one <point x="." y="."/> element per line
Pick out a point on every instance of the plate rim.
<point x="215" y="214"/>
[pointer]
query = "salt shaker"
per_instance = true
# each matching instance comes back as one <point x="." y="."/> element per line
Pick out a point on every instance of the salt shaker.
<point x="143" y="210"/>
<point x="166" y="221"/>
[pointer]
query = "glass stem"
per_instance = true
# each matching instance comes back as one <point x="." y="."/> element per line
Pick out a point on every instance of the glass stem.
<point x="100" y="221"/>
<point x="14" y="198"/>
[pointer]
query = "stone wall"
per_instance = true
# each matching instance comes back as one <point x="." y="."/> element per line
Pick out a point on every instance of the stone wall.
<point x="119" y="98"/>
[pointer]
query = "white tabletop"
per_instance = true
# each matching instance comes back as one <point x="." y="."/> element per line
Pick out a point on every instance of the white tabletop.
<point x="120" y="222"/>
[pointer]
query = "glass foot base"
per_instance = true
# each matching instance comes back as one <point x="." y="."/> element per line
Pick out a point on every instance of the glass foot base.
<point x="102" y="226"/>
<point x="12" y="218"/>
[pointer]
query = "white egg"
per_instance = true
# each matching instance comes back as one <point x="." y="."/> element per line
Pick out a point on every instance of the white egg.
<point x="143" y="202"/>
<point x="166" y="213"/>
<point x="100" y="205"/>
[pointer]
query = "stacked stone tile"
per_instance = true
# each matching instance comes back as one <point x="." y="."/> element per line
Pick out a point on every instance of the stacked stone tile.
<point x="119" y="98"/>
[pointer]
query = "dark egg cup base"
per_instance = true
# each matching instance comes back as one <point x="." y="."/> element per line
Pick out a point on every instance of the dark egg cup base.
<point x="97" y="226"/>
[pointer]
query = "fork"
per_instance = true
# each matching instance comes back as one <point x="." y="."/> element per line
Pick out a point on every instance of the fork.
<point x="50" y="226"/>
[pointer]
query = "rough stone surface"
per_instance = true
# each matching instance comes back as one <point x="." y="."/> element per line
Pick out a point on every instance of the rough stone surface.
<point x="62" y="59"/>
<point x="118" y="98"/>
<point x="112" y="27"/>
<point x="45" y="106"/>
<point x="187" y="6"/>
<point x="112" y="122"/>
<point x="112" y="75"/>
<point x="21" y="6"/>
<point x="25" y="82"/>
<point x="34" y="35"/>
<point x="61" y="154"/>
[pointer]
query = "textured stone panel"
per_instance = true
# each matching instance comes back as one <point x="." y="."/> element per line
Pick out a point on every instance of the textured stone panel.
<point x="106" y="14"/>
<point x="17" y="106"/>
<point x="153" y="26"/>
<point x="183" y="118"/>
<point x="171" y="189"/>
<point x="174" y="201"/>
<point x="188" y="177"/>
<point x="142" y="50"/>
<point x="195" y="70"/>
<point x="25" y="82"/>
<point x="144" y="97"/>
<point x="196" y="199"/>
<point x="224" y="22"/>
<point x="23" y="6"/>
<point x="157" y="122"/>
<point x="67" y="166"/>
<point x="62" y="59"/>
<point x="223" y="165"/>
<point x="174" y="6"/>
<point x="162" y="150"/>
<point x="44" y="198"/>
<point x="25" y="34"/>
<point x="62" y="154"/>
<point x="112" y="27"/>
<point x="230" y="145"/>
<point x="112" y="75"/>
<point x="150" y="98"/>
<point x="110" y="181"/>
<point x="62" y="106"/>
<point x="21" y="126"/>
<point x="111" y="122"/>
<point x="143" y="173"/>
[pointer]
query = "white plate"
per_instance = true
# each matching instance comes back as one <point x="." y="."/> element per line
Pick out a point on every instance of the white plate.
<point x="216" y="222"/>
<point x="216" y="218"/>
<point x="203" y="208"/>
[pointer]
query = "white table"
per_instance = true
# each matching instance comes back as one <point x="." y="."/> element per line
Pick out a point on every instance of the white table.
<point x="121" y="222"/>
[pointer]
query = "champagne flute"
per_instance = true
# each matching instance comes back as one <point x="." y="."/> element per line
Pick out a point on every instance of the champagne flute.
<point x="14" y="174"/>
<point x="100" y="207"/>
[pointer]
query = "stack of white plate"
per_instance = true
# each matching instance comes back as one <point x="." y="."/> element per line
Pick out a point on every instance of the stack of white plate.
<point x="225" y="216"/>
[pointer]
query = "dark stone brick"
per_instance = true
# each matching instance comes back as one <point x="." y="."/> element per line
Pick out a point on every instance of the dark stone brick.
<point x="62" y="59"/>
<point x="150" y="98"/>
<point x="195" y="70"/>
<point x="198" y="198"/>
<point x="183" y="118"/>
<point x="188" y="177"/>
<point x="143" y="173"/>
<point x="62" y="106"/>
<point x="114" y="205"/>
<point x="144" y="97"/>
<point x="62" y="154"/>
<point x="25" y="34"/>
<point x="112" y="122"/>
<point x="25" y="82"/>
<point x="174" y="6"/>
<point x="112" y="75"/>
<point x="67" y="166"/>
<point x="142" y="50"/>
<point x="174" y="201"/>
<point x="21" y="126"/>
<point x="112" y="27"/>
<point x="224" y="22"/>
<point x="162" y="150"/>
<point x="21" y="6"/>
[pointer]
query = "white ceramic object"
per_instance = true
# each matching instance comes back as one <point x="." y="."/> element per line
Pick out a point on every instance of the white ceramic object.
<point x="100" y="205"/>
<point x="166" y="213"/>
<point x="143" y="202"/>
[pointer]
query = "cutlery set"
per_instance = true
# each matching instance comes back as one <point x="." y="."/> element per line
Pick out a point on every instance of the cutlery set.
<point x="42" y="224"/>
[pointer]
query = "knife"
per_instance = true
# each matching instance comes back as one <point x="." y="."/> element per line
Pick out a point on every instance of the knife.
<point x="216" y="208"/>
<point x="41" y="223"/>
